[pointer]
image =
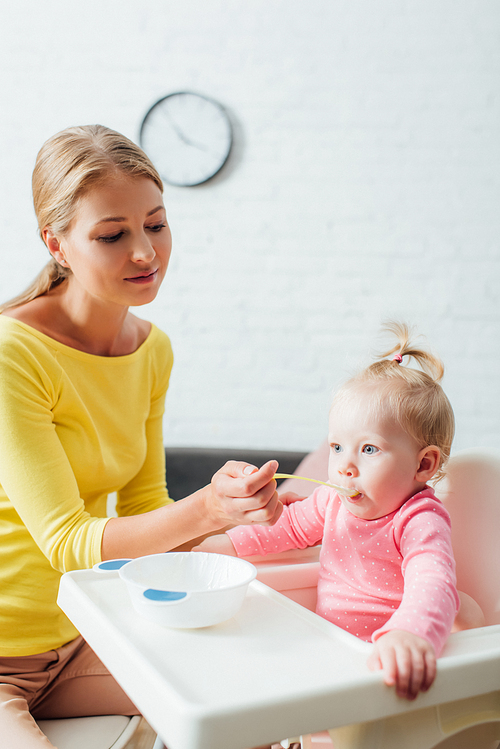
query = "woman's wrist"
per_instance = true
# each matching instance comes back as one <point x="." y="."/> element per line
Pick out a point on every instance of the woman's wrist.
<point x="164" y="529"/>
<point x="235" y="497"/>
<point x="210" y="509"/>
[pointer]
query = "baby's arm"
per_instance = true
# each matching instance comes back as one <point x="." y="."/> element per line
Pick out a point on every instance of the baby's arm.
<point x="408" y="662"/>
<point x="407" y="645"/>
<point x="219" y="544"/>
<point x="300" y="526"/>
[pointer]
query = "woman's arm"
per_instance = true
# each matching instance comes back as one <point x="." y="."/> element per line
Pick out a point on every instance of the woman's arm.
<point x="39" y="488"/>
<point x="239" y="494"/>
<point x="50" y="440"/>
<point x="147" y="490"/>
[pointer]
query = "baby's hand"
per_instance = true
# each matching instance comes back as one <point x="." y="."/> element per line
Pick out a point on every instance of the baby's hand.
<point x="288" y="498"/>
<point x="408" y="662"/>
<point x="219" y="544"/>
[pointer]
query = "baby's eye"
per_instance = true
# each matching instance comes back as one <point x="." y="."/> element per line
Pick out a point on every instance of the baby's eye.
<point x="336" y="448"/>
<point x="370" y="449"/>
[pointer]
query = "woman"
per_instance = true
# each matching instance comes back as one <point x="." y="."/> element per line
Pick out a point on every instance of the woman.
<point x="82" y="389"/>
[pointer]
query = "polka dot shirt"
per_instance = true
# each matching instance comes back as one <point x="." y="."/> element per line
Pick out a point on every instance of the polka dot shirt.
<point x="395" y="572"/>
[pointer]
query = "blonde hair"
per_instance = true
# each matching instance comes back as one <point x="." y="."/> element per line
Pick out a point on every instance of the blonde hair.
<point x="414" y="397"/>
<point x="67" y="166"/>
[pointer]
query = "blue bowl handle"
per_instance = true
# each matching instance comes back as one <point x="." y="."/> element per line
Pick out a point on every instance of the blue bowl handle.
<point x="112" y="565"/>
<point x="164" y="596"/>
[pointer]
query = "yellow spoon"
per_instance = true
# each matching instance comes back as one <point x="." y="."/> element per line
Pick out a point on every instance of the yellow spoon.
<point x="339" y="489"/>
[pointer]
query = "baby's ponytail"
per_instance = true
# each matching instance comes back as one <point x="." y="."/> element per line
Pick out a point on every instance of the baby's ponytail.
<point x="426" y="360"/>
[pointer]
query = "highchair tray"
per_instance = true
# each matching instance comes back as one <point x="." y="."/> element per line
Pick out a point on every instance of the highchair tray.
<point x="273" y="670"/>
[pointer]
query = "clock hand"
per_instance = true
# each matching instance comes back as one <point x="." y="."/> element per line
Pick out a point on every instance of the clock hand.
<point x="183" y="137"/>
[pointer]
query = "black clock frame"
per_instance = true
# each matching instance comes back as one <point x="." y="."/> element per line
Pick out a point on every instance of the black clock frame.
<point x="212" y="101"/>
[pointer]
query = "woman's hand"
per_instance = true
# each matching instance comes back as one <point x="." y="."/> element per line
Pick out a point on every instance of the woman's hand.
<point x="239" y="494"/>
<point x="408" y="662"/>
<point x="242" y="494"/>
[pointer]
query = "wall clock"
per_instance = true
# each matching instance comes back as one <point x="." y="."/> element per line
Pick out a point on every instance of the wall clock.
<point x="188" y="138"/>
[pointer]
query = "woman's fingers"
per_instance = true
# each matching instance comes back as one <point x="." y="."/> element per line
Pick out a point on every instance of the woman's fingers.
<point x="245" y="494"/>
<point x="244" y="479"/>
<point x="267" y="515"/>
<point x="259" y="509"/>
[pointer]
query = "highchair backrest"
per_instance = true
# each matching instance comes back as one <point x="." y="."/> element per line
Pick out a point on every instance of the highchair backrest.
<point x="471" y="494"/>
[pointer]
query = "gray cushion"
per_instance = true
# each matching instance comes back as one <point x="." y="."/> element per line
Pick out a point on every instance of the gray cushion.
<point x="190" y="468"/>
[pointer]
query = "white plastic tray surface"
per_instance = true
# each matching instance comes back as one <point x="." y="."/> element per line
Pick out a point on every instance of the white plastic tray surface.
<point x="272" y="671"/>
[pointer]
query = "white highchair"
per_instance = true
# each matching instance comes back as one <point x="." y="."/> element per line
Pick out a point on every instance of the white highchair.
<point x="471" y="492"/>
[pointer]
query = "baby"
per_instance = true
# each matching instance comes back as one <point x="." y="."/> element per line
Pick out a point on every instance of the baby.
<point x="387" y="572"/>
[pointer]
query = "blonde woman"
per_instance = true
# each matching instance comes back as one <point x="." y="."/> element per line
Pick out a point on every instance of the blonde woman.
<point x="82" y="390"/>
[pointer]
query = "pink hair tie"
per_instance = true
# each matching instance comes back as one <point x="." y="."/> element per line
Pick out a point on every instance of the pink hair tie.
<point x="397" y="358"/>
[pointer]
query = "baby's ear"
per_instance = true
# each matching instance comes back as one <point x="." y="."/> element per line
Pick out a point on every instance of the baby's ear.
<point x="429" y="458"/>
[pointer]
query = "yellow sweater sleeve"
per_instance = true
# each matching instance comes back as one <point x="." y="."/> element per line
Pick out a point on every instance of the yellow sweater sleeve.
<point x="35" y="471"/>
<point x="147" y="490"/>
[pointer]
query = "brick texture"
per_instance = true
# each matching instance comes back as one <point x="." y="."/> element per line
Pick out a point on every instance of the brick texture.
<point x="364" y="184"/>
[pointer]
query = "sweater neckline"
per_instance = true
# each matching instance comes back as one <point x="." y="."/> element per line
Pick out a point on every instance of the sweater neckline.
<point x="77" y="353"/>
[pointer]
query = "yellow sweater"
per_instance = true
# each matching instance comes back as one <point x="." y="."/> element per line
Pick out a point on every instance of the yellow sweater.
<point x="74" y="427"/>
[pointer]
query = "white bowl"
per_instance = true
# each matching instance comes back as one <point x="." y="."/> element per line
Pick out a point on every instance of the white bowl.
<point x="185" y="589"/>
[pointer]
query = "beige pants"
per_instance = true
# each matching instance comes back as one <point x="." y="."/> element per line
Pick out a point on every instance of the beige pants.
<point x="68" y="682"/>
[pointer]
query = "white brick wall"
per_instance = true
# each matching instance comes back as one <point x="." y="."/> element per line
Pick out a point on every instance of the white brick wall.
<point x="364" y="184"/>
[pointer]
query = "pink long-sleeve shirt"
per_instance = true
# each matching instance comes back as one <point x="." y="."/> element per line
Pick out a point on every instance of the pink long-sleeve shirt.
<point x="395" y="572"/>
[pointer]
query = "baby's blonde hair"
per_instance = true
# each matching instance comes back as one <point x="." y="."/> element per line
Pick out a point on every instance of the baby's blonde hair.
<point x="414" y="397"/>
